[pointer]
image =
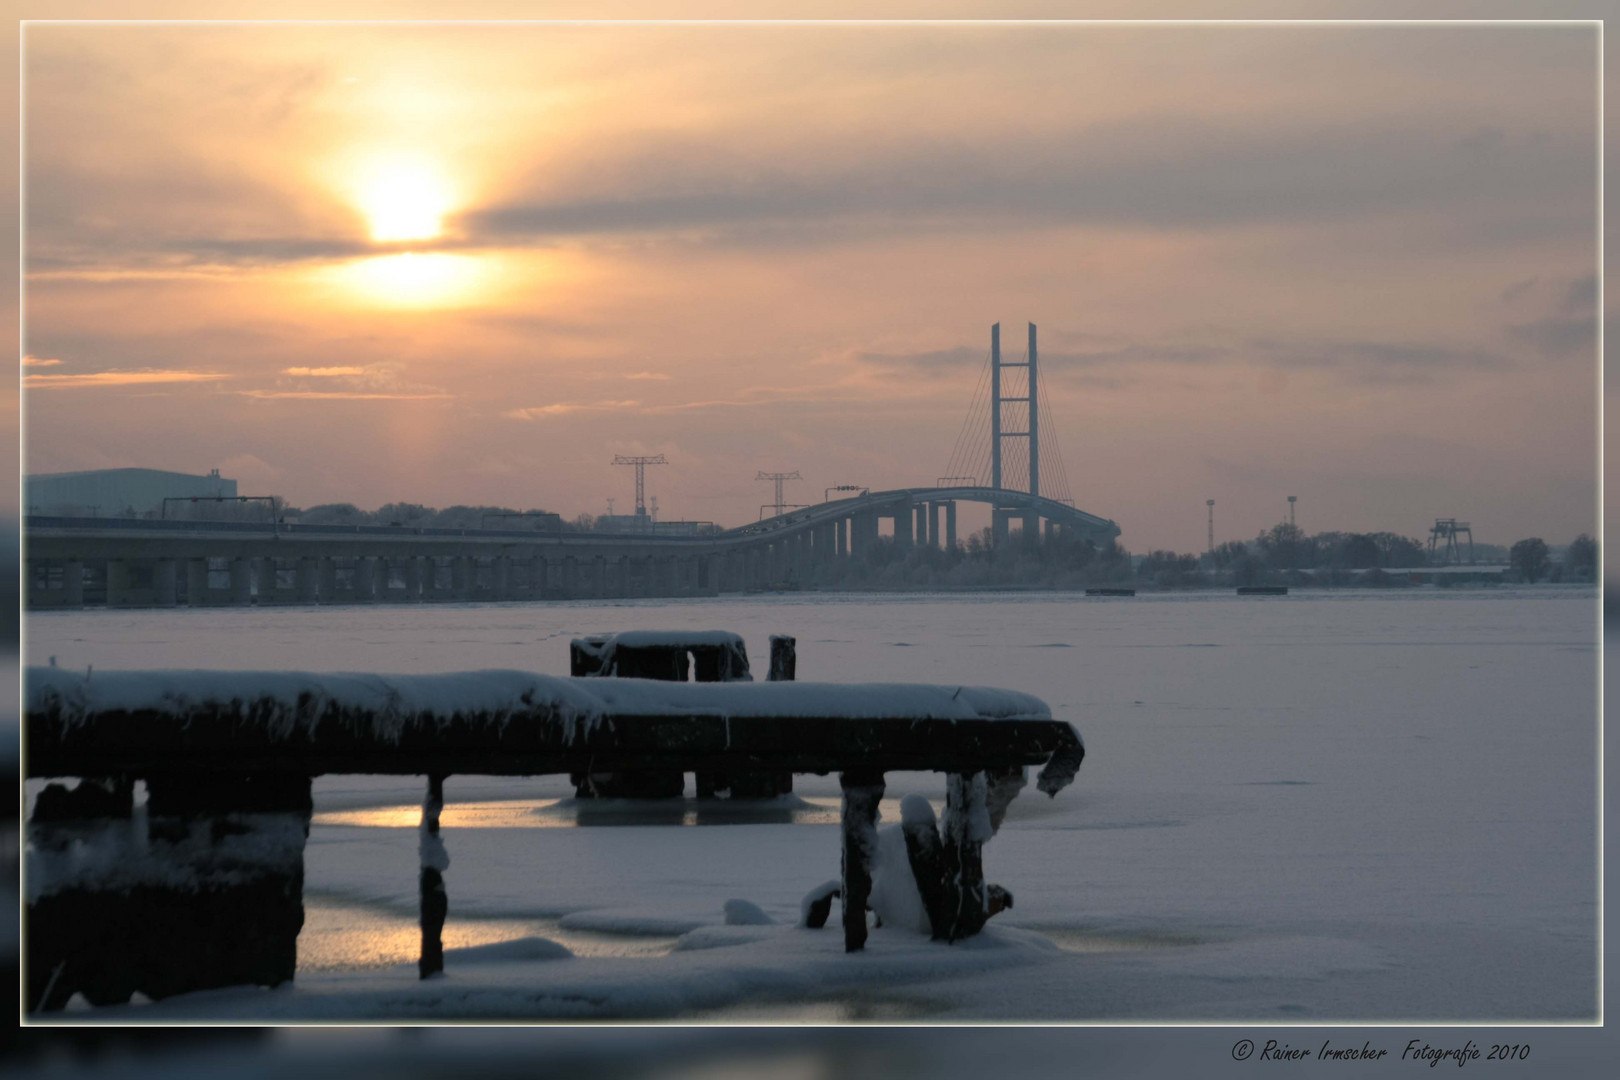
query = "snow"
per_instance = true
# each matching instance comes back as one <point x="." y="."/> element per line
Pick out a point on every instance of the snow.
<point x="291" y="704"/>
<point x="654" y="639"/>
<point x="816" y="896"/>
<point x="1331" y="806"/>
<point x="746" y="913"/>
<point x="894" y="897"/>
<point x="118" y="855"/>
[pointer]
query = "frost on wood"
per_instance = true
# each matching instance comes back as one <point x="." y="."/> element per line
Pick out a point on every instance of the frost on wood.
<point x="967" y="827"/>
<point x="161" y="903"/>
<point x="512" y="723"/>
<point x="1001" y="788"/>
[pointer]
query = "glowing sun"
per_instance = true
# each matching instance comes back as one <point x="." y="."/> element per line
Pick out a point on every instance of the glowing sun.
<point x="404" y="201"/>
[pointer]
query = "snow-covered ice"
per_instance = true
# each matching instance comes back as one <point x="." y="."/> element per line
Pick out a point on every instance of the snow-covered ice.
<point x="1353" y="805"/>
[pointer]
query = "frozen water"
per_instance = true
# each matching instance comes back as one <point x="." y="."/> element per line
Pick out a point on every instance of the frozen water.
<point x="1360" y="805"/>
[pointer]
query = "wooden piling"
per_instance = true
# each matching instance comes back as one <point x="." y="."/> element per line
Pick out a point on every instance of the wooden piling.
<point x="967" y="827"/>
<point x="863" y="790"/>
<point x="435" y="860"/>
<point x="784" y="658"/>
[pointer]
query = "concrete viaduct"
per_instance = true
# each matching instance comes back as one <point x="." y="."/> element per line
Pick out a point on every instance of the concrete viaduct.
<point x="72" y="562"/>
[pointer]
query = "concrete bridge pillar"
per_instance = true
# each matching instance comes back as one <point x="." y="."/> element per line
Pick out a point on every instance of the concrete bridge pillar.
<point x="363" y="581"/>
<point x="841" y="537"/>
<point x="307" y="580"/>
<point x="165" y="583"/>
<point x="241" y="582"/>
<point x="500" y="573"/>
<point x="461" y="574"/>
<point x="196" y="582"/>
<point x="599" y="576"/>
<point x="902" y="527"/>
<point x="119" y="588"/>
<point x="950" y="524"/>
<point x="73" y="583"/>
<point x="413" y="578"/>
<point x="998" y="526"/>
<point x="1032" y="526"/>
<point x="921" y="529"/>
<point x="933" y="524"/>
<point x="326" y="579"/>
<point x="264" y="579"/>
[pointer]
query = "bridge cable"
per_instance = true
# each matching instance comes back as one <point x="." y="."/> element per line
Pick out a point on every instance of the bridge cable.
<point x="1057" y="451"/>
<point x="960" y="451"/>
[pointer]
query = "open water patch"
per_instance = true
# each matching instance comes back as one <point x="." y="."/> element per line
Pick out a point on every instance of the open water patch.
<point x="348" y="935"/>
<point x="571" y="813"/>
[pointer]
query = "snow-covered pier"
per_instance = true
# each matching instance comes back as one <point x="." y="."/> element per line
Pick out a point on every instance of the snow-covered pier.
<point x="227" y="759"/>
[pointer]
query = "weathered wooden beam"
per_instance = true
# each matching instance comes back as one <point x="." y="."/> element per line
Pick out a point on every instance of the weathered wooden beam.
<point x="132" y="724"/>
<point x="863" y="790"/>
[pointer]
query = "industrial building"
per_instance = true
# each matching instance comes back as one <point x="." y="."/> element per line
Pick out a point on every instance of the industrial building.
<point x="117" y="492"/>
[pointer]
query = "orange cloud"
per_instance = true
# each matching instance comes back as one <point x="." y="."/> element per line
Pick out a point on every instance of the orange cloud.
<point x="324" y="372"/>
<point x="335" y="395"/>
<point x="34" y="361"/>
<point x="563" y="408"/>
<point x="118" y="378"/>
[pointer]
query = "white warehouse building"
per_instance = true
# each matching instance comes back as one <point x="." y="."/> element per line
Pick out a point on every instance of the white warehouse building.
<point x="117" y="492"/>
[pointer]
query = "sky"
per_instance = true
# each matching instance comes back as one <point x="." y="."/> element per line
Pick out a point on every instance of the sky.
<point x="471" y="264"/>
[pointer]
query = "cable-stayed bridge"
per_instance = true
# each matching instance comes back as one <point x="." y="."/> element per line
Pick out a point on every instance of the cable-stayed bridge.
<point x="128" y="562"/>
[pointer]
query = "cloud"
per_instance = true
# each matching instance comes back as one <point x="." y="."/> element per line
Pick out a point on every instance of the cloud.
<point x="1557" y="336"/>
<point x="961" y="356"/>
<point x="1517" y="289"/>
<point x="645" y="375"/>
<point x="117" y="378"/>
<point x="334" y="395"/>
<point x="34" y="361"/>
<point x="324" y="372"/>
<point x="1581" y="296"/>
<point x="1166" y="174"/>
<point x="1376" y="361"/>
<point x="565" y="408"/>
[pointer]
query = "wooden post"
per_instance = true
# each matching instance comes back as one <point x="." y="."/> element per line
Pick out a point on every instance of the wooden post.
<point x="967" y="827"/>
<point x="1001" y="788"/>
<point x="784" y="658"/>
<point x="435" y="860"/>
<point x="863" y="790"/>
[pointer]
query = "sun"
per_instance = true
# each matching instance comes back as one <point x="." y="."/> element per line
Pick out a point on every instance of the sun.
<point x="404" y="200"/>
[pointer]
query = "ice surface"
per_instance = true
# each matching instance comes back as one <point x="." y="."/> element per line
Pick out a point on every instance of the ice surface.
<point x="1322" y="807"/>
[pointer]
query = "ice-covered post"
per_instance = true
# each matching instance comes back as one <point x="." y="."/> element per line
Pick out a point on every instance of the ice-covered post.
<point x="435" y="860"/>
<point x="784" y="658"/>
<point x="967" y="827"/>
<point x="863" y="790"/>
